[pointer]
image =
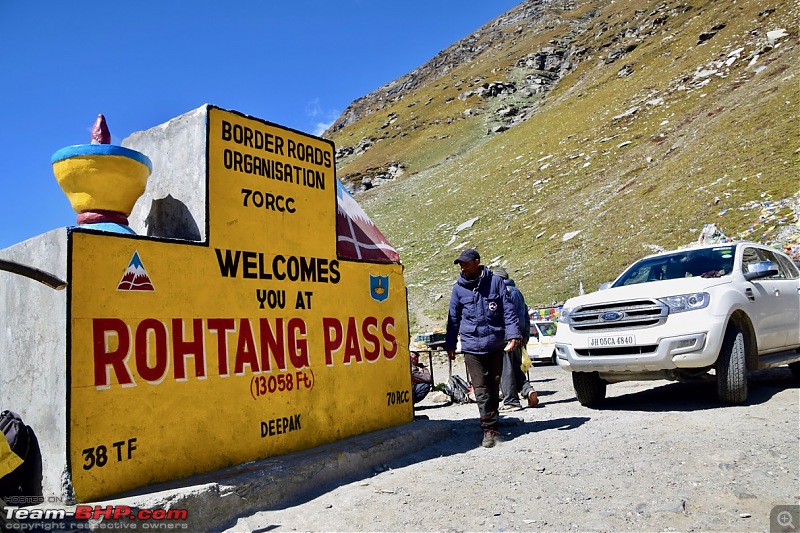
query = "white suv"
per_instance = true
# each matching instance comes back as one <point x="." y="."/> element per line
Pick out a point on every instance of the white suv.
<point x="730" y="308"/>
<point x="541" y="345"/>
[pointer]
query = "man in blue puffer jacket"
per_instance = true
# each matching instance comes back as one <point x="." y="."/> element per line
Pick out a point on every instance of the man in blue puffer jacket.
<point x="482" y="313"/>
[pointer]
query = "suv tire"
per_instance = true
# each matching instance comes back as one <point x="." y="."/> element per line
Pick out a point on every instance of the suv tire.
<point x="731" y="367"/>
<point x="589" y="388"/>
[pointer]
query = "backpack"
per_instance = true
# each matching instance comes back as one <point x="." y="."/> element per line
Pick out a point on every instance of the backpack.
<point x="458" y="390"/>
<point x="18" y="470"/>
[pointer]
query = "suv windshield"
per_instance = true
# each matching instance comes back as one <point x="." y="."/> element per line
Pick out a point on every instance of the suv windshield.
<point x="548" y="329"/>
<point x="705" y="262"/>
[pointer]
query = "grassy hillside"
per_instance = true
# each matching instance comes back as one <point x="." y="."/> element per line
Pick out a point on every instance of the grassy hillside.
<point x="671" y="115"/>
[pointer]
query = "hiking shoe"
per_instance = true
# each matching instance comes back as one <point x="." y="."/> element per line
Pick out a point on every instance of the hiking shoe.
<point x="490" y="437"/>
<point x="533" y="399"/>
<point x="510" y="408"/>
<point x="471" y="394"/>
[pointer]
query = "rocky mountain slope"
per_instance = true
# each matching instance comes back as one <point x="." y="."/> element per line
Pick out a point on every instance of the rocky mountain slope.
<point x="566" y="139"/>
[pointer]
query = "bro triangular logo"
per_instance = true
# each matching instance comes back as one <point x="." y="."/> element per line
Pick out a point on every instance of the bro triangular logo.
<point x="135" y="277"/>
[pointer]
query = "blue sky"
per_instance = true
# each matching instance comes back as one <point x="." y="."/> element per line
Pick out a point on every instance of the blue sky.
<point x="298" y="64"/>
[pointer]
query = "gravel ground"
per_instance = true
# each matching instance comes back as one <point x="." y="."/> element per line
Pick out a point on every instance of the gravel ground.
<point x="658" y="456"/>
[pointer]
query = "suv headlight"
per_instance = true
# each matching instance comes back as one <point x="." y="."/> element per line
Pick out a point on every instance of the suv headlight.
<point x="564" y="315"/>
<point x="686" y="302"/>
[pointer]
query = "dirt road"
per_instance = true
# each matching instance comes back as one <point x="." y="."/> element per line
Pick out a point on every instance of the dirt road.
<point x="658" y="456"/>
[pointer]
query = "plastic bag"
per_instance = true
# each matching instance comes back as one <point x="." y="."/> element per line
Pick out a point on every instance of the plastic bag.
<point x="526" y="361"/>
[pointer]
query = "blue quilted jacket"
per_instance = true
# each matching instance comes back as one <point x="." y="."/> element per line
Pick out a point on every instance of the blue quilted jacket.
<point x="481" y="311"/>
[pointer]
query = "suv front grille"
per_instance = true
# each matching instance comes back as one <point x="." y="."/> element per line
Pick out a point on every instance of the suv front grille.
<point x="615" y="316"/>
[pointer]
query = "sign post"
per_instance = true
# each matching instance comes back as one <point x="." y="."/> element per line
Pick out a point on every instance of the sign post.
<point x="185" y="357"/>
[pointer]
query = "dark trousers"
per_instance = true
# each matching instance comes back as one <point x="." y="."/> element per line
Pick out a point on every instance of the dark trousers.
<point x="513" y="381"/>
<point x="484" y="371"/>
<point x="419" y="391"/>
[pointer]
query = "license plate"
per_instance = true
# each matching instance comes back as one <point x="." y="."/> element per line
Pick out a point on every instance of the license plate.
<point x="611" y="340"/>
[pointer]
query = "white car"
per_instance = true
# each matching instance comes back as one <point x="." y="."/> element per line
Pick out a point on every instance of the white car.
<point x="725" y="309"/>
<point x="542" y="345"/>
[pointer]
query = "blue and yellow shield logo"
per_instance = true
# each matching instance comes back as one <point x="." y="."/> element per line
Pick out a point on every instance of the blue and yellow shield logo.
<point x="379" y="287"/>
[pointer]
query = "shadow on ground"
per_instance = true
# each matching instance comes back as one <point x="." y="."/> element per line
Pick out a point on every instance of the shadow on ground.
<point x="700" y="395"/>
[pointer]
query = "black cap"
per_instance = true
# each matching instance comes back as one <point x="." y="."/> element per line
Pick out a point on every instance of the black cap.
<point x="467" y="255"/>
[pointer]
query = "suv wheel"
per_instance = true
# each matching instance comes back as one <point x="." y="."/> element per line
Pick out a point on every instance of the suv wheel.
<point x="731" y="368"/>
<point x="589" y="388"/>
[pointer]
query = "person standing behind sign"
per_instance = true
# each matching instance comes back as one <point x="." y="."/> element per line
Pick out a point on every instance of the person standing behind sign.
<point x="482" y="313"/>
<point x="513" y="381"/>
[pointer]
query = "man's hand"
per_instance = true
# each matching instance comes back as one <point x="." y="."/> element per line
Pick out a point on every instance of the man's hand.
<point x="511" y="345"/>
<point x="451" y="354"/>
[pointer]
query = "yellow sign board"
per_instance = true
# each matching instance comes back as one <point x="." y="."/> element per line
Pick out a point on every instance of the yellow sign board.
<point x="189" y="357"/>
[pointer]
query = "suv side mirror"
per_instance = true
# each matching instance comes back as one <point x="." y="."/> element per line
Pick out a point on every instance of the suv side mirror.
<point x="750" y="276"/>
<point x="605" y="286"/>
<point x="761" y="269"/>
